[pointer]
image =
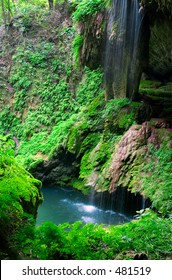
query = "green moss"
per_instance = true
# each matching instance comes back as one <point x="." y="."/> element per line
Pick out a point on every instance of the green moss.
<point x="86" y="166"/>
<point x="19" y="192"/>
<point x="88" y="8"/>
<point x="149" y="84"/>
<point x="80" y="185"/>
<point x="156" y="184"/>
<point x="77" y="45"/>
<point x="95" y="163"/>
<point x="158" y="95"/>
<point x="77" y="134"/>
<point x="120" y="114"/>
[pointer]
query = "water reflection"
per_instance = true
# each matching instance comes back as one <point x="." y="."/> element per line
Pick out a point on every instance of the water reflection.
<point x="69" y="205"/>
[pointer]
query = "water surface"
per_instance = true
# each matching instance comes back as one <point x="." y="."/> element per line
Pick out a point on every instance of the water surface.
<point x="70" y="205"/>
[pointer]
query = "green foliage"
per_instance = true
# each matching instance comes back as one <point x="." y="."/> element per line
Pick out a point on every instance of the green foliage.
<point x="48" y="249"/>
<point x="87" y="8"/>
<point x="114" y="105"/>
<point x="150" y="234"/>
<point x="6" y="119"/>
<point x="21" y="8"/>
<point x="47" y="90"/>
<point x="6" y="147"/>
<point x="44" y="144"/>
<point x="59" y="135"/>
<point x="88" y="159"/>
<point x="120" y="114"/>
<point x="51" y="105"/>
<point x="39" y="55"/>
<point x="17" y="182"/>
<point x="19" y="191"/>
<point x="23" y="235"/>
<point x="36" y="137"/>
<point x="156" y="183"/>
<point x="90" y="87"/>
<point x="6" y="8"/>
<point x="77" y="45"/>
<point x="155" y="88"/>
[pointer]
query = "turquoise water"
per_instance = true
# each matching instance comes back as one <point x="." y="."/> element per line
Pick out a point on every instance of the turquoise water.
<point x="70" y="205"/>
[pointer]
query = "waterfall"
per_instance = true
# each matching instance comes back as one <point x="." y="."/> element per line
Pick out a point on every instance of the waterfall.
<point x="121" y="65"/>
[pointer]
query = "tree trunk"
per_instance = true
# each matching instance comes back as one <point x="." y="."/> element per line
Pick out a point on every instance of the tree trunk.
<point x="50" y="2"/>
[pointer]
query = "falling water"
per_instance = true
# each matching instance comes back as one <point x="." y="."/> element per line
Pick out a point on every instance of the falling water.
<point x="121" y="200"/>
<point x="62" y="204"/>
<point x="121" y="51"/>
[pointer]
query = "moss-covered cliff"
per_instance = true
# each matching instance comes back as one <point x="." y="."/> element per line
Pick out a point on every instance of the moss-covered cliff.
<point x="64" y="130"/>
<point x="53" y="104"/>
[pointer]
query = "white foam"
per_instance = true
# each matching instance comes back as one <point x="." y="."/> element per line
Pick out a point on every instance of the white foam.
<point x="86" y="208"/>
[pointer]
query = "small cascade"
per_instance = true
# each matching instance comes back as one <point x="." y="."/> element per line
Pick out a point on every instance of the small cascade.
<point x="122" y="200"/>
<point x="121" y="65"/>
<point x="65" y="204"/>
<point x="144" y="203"/>
<point x="92" y="194"/>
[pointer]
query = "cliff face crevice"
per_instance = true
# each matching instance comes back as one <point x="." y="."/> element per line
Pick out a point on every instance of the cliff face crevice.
<point x="155" y="6"/>
<point x="92" y="31"/>
<point x="160" y="45"/>
<point x="154" y="48"/>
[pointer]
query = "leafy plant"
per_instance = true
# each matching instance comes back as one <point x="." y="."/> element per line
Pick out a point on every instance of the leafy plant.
<point x="87" y="8"/>
<point x="97" y="242"/>
<point x="156" y="183"/>
<point x="19" y="192"/>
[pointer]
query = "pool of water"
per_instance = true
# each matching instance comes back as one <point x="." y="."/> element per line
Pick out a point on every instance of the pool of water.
<point x="70" y="205"/>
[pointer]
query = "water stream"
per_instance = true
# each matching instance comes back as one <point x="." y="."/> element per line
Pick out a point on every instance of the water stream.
<point x="121" y="51"/>
<point x="70" y="205"/>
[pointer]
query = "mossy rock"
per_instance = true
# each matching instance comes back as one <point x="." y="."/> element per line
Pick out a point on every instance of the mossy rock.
<point x="84" y="132"/>
<point x="160" y="45"/>
<point x="94" y="167"/>
<point x="119" y="119"/>
<point x="156" y="88"/>
<point x="78" y="132"/>
<point x="158" y="95"/>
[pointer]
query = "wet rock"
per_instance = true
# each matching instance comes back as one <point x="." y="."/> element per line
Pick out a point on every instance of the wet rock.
<point x="160" y="45"/>
<point x="60" y="169"/>
<point x="129" y="153"/>
<point x="92" y="31"/>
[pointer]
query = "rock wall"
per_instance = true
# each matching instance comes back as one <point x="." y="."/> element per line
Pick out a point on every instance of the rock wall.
<point x="92" y="32"/>
<point x="154" y="59"/>
<point x="130" y="153"/>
